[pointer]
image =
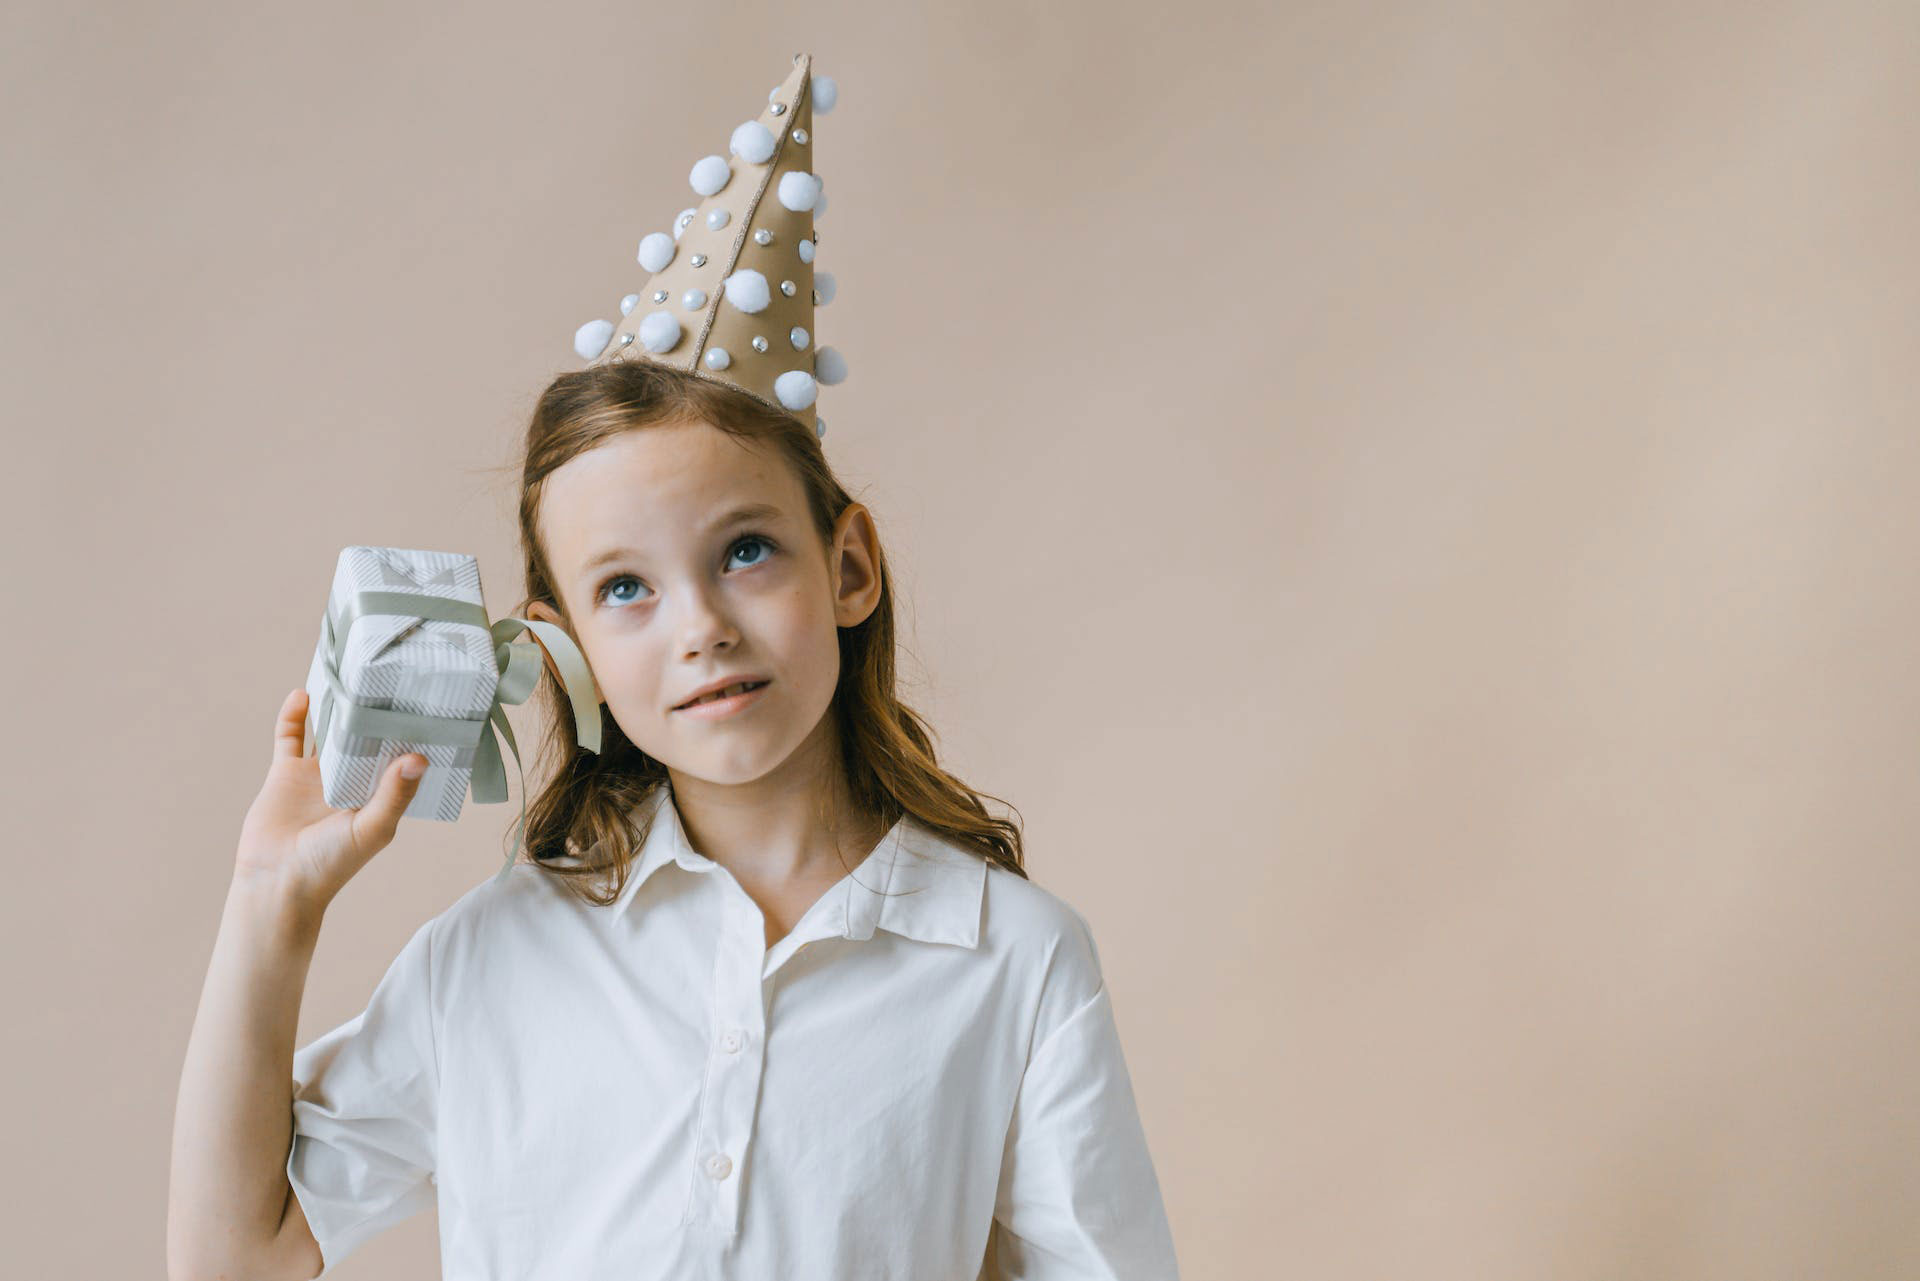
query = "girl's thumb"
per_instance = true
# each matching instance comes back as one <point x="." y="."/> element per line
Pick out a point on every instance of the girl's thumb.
<point x="376" y="822"/>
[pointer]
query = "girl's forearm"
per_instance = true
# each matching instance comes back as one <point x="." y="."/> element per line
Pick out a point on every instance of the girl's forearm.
<point x="228" y="1189"/>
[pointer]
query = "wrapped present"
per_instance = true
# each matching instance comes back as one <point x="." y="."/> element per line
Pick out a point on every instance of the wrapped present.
<point x="407" y="662"/>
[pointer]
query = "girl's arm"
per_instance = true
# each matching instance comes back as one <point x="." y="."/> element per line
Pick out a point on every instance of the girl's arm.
<point x="1079" y="1199"/>
<point x="228" y="1193"/>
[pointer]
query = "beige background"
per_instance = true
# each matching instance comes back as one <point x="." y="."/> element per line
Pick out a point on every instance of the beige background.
<point x="1415" y="504"/>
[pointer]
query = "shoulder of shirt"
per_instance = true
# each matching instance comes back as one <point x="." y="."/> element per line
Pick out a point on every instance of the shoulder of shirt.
<point x="523" y="892"/>
<point x="1036" y="927"/>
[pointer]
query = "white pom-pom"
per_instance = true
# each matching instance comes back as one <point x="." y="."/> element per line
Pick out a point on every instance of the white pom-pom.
<point x="752" y="142"/>
<point x="806" y="249"/>
<point x="682" y="220"/>
<point x="747" y="289"/>
<point x="656" y="250"/>
<point x="820" y="204"/>
<point x="710" y="174"/>
<point x="659" y="331"/>
<point x="798" y="190"/>
<point x="824" y="287"/>
<point x="591" y="338"/>
<point x="628" y="303"/>
<point x="826" y="92"/>
<point x="829" y="366"/>
<point x="795" y="388"/>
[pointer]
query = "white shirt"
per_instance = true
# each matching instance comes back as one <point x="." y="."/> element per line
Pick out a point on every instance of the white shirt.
<point x="923" y="1080"/>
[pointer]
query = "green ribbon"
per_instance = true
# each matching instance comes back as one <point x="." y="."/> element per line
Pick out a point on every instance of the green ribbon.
<point x="519" y="668"/>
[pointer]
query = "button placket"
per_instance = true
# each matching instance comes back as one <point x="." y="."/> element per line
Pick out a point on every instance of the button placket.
<point x="824" y="920"/>
<point x="735" y="1062"/>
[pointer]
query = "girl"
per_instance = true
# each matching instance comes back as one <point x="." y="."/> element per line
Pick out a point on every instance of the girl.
<point x="772" y="994"/>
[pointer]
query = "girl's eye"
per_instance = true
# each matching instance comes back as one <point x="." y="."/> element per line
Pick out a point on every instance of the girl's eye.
<point x="600" y="596"/>
<point x="602" y="593"/>
<point x="751" y="540"/>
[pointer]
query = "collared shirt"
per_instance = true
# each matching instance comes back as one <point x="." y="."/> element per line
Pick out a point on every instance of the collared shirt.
<point x="922" y="1080"/>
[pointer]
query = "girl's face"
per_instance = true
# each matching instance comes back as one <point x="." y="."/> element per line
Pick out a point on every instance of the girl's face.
<point x="685" y="557"/>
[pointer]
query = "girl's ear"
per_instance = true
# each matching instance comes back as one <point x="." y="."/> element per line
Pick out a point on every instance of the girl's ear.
<point x="854" y="565"/>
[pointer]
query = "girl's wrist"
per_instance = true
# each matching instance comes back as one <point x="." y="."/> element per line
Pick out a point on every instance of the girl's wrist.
<point x="265" y="901"/>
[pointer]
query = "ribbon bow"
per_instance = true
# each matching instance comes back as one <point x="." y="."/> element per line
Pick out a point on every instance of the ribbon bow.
<point x="519" y="667"/>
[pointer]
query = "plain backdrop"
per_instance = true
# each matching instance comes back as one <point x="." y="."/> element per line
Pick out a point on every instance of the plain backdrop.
<point x="1415" y="505"/>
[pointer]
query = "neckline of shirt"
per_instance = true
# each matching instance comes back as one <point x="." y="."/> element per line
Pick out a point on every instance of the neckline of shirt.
<point x="914" y="882"/>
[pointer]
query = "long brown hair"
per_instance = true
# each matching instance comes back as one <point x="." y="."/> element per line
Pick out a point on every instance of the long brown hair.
<point x="587" y="808"/>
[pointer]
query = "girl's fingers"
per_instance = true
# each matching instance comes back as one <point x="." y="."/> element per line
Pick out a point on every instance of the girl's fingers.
<point x="290" y="730"/>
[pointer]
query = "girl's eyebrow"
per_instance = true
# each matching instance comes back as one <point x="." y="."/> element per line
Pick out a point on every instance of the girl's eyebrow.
<point x="741" y="515"/>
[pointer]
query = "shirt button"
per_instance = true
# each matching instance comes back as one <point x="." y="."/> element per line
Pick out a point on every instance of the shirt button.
<point x="718" y="1165"/>
<point x="732" y="1041"/>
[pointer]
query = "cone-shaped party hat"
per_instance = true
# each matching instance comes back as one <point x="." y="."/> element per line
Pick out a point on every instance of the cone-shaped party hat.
<point x="732" y="289"/>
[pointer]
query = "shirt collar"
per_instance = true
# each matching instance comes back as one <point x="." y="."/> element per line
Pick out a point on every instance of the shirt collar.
<point x="917" y="883"/>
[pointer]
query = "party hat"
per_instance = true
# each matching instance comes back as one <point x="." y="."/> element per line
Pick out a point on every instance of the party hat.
<point x="732" y="288"/>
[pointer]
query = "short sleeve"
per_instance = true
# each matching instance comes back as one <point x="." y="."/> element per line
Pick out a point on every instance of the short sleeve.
<point x="365" y="1098"/>
<point x="1078" y="1197"/>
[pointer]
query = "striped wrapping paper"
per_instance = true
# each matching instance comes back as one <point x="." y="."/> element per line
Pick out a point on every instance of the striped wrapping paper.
<point x="431" y="666"/>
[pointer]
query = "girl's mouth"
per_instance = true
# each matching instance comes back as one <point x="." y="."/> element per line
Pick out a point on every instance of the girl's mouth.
<point x="726" y="702"/>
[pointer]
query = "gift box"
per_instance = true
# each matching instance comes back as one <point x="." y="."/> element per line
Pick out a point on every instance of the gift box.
<point x="404" y="631"/>
<point x="407" y="662"/>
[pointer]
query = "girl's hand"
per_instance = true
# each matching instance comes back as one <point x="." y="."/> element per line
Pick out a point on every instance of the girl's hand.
<point x="293" y="841"/>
